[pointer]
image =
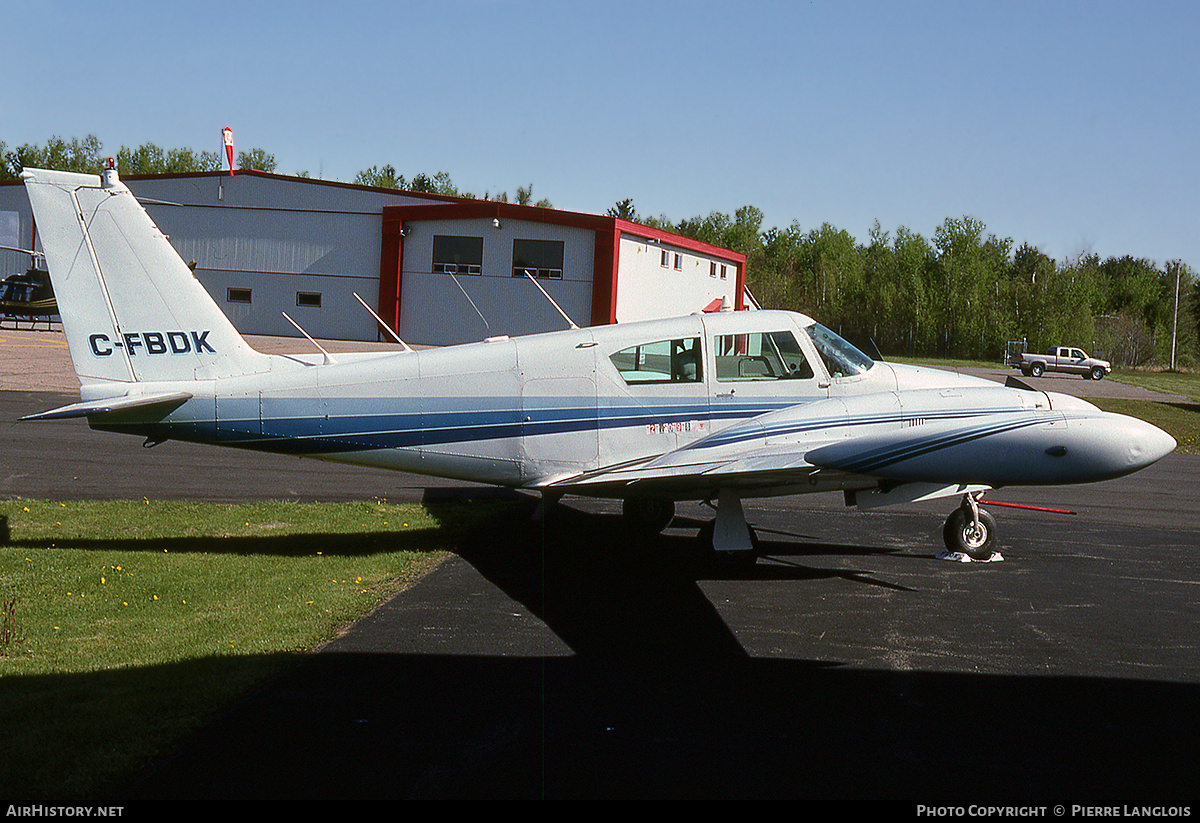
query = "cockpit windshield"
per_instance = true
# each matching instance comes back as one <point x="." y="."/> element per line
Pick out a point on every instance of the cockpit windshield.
<point x="840" y="358"/>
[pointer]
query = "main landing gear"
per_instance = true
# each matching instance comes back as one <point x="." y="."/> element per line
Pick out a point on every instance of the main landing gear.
<point x="647" y="516"/>
<point x="728" y="540"/>
<point x="970" y="530"/>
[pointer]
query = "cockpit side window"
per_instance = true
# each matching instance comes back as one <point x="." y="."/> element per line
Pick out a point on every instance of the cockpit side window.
<point x="663" y="361"/>
<point x="759" y="356"/>
<point x="840" y="358"/>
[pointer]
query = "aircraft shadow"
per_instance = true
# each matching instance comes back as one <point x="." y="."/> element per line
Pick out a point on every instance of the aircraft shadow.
<point x="344" y="726"/>
<point x="608" y="593"/>
<point x="629" y="684"/>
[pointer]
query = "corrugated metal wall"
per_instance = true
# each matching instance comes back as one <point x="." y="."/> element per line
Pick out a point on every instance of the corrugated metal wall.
<point x="289" y="245"/>
<point x="434" y="309"/>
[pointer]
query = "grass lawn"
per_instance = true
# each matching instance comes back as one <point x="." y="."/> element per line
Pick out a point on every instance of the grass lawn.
<point x="127" y="624"/>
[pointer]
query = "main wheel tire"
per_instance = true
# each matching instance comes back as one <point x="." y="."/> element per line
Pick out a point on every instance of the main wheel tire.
<point x="647" y="515"/>
<point x="1037" y="369"/>
<point x="1097" y="373"/>
<point x="976" y="540"/>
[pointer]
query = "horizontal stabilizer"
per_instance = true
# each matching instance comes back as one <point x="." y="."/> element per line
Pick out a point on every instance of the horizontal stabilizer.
<point x="113" y="404"/>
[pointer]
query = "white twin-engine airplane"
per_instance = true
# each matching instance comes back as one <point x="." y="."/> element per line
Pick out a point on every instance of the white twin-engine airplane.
<point x="716" y="407"/>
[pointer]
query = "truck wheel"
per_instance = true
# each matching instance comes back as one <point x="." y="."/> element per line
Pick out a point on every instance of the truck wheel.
<point x="1037" y="369"/>
<point x="1097" y="373"/>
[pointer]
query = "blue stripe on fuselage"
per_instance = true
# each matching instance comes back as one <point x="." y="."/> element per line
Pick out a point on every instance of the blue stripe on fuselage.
<point x="321" y="433"/>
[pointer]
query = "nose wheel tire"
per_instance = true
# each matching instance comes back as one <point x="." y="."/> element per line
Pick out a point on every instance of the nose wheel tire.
<point x="976" y="539"/>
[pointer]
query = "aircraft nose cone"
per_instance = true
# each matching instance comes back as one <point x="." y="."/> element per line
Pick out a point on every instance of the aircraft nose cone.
<point x="1114" y="445"/>
<point x="1148" y="443"/>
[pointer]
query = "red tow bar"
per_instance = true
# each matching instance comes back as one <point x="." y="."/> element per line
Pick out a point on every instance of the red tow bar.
<point x="1020" y="506"/>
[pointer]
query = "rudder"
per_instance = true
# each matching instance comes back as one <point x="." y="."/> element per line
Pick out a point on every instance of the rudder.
<point x="132" y="310"/>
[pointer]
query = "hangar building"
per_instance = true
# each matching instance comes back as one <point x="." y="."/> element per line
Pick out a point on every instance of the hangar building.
<point x="439" y="270"/>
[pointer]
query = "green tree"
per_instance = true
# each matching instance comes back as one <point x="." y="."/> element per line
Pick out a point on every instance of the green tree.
<point x="258" y="159"/>
<point x="830" y="275"/>
<point x="381" y="177"/>
<point x="59" y="155"/>
<point x="151" y="159"/>
<point x="772" y="278"/>
<point x="439" y="183"/>
<point x="969" y="284"/>
<point x="622" y="210"/>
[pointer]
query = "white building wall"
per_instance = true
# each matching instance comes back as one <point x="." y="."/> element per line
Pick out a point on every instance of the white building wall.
<point x="435" y="311"/>
<point x="646" y="289"/>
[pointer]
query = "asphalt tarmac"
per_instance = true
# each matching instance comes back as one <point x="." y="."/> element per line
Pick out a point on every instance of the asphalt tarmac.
<point x="557" y="658"/>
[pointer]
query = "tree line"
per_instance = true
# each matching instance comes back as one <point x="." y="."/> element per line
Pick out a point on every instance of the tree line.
<point x="963" y="292"/>
<point x="86" y="156"/>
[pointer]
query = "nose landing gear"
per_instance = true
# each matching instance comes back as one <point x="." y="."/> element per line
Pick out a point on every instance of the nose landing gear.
<point x="971" y="530"/>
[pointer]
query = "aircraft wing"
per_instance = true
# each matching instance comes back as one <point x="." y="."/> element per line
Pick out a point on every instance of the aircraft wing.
<point x="686" y="470"/>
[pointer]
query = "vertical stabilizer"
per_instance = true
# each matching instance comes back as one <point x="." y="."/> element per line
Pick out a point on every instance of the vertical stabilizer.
<point x="131" y="309"/>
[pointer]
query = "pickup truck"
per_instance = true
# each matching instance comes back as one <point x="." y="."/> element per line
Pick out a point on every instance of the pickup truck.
<point x="1062" y="359"/>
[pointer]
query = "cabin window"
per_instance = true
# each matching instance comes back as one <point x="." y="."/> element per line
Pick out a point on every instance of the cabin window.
<point x="840" y="357"/>
<point x="760" y="356"/>
<point x="311" y="299"/>
<point x="541" y="258"/>
<point x="457" y="255"/>
<point x="233" y="295"/>
<point x="663" y="361"/>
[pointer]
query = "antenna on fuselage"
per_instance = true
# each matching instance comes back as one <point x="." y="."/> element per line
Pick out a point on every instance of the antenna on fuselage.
<point x="328" y="359"/>
<point x="31" y="252"/>
<point x="551" y="299"/>
<point x="472" y="302"/>
<point x="379" y="320"/>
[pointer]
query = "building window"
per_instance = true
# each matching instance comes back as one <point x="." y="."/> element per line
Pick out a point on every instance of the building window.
<point x="308" y="298"/>
<point x="541" y="258"/>
<point x="233" y="295"/>
<point x="712" y="269"/>
<point x="722" y="272"/>
<point x="665" y="259"/>
<point x="678" y="262"/>
<point x="457" y="255"/>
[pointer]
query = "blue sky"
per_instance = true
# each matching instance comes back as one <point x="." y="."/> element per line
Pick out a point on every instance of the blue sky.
<point x="1068" y="125"/>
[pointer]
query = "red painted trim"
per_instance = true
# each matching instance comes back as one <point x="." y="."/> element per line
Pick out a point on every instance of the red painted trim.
<point x="469" y="209"/>
<point x="680" y="242"/>
<point x="391" y="275"/>
<point x="606" y="262"/>
<point x="604" y="277"/>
